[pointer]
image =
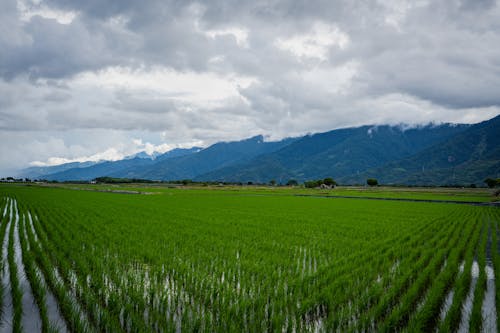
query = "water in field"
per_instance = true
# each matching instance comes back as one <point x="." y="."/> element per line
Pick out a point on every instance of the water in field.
<point x="53" y="312"/>
<point x="248" y="270"/>
<point x="447" y="304"/>
<point x="467" y="306"/>
<point x="488" y="309"/>
<point x="31" y="321"/>
<point x="7" y="313"/>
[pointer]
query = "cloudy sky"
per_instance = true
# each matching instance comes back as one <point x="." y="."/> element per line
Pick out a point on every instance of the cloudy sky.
<point x="102" y="79"/>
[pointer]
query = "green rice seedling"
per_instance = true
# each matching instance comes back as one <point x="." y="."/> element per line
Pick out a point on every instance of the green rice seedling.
<point x="93" y="305"/>
<point x="461" y="287"/>
<point x="427" y="317"/>
<point x="494" y="218"/>
<point x="476" y="319"/>
<point x="37" y="287"/>
<point x="68" y="306"/>
<point x="212" y="260"/>
<point x="3" y="227"/>
<point x="414" y="254"/>
<point x="400" y="315"/>
<point x="409" y="274"/>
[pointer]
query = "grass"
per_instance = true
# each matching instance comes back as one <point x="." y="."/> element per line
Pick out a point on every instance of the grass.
<point x="254" y="259"/>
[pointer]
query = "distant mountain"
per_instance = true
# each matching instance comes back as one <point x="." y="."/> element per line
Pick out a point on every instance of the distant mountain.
<point x="41" y="172"/>
<point x="171" y="153"/>
<point x="425" y="155"/>
<point x="142" y="154"/>
<point x="466" y="158"/>
<point x="219" y="155"/>
<point x="338" y="153"/>
<point x="99" y="170"/>
<point x="178" y="152"/>
<point x="109" y="168"/>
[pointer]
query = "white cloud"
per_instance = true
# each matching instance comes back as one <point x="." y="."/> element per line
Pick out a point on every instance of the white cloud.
<point x="28" y="9"/>
<point x="116" y="153"/>
<point x="190" y="88"/>
<point x="315" y="43"/>
<point x="396" y="11"/>
<point x="79" y="79"/>
<point x="239" y="34"/>
<point x="111" y="154"/>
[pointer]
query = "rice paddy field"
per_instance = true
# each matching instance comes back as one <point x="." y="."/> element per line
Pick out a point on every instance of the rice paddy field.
<point x="102" y="259"/>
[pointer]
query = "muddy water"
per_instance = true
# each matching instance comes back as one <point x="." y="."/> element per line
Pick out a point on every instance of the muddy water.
<point x="467" y="306"/>
<point x="7" y="311"/>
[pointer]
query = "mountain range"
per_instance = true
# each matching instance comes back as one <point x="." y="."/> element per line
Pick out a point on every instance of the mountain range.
<point x="423" y="155"/>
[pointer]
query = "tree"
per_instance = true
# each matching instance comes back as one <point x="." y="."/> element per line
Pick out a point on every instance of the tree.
<point x="292" y="182"/>
<point x="272" y="182"/>
<point x="329" y="181"/>
<point x="372" y="182"/>
<point x="312" y="183"/>
<point x="492" y="182"/>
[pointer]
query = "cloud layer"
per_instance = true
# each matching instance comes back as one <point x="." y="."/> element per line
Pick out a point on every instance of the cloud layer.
<point x="80" y="78"/>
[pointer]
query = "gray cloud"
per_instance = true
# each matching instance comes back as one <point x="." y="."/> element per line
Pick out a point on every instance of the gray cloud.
<point x="205" y="71"/>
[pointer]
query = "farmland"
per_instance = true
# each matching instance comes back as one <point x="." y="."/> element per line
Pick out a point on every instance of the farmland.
<point x="246" y="260"/>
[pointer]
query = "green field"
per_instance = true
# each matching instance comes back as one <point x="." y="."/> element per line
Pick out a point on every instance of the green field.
<point x="237" y="259"/>
<point x="414" y="193"/>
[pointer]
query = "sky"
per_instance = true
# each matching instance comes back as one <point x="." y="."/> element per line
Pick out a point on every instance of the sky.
<point x="92" y="80"/>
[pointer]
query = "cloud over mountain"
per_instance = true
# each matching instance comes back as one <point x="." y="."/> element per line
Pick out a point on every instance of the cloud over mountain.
<point x="78" y="78"/>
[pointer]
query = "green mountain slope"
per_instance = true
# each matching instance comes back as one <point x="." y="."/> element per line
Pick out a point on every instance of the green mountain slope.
<point x="337" y="153"/>
<point x="469" y="157"/>
<point x="219" y="155"/>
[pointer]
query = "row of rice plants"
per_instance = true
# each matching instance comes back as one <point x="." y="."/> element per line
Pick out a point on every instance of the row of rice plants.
<point x="418" y="282"/>
<point x="476" y="320"/>
<point x="13" y="272"/>
<point x="418" y="258"/>
<point x="427" y="317"/>
<point x="75" y="318"/>
<point x="348" y="295"/>
<point x="81" y="302"/>
<point x="494" y="217"/>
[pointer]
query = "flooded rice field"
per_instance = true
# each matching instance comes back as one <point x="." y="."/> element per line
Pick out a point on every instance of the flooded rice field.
<point x="88" y="265"/>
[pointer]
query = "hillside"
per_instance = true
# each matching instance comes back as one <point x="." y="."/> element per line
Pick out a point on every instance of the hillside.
<point x="338" y="153"/>
<point x="219" y="155"/>
<point x="466" y="158"/>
